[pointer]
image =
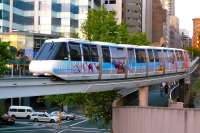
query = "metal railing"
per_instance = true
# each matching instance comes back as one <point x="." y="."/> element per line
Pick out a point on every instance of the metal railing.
<point x="171" y="91"/>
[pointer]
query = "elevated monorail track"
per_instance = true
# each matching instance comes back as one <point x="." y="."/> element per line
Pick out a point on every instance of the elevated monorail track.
<point x="26" y="87"/>
<point x="40" y="87"/>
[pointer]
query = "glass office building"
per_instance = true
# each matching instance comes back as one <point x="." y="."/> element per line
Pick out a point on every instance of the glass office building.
<point x="60" y="17"/>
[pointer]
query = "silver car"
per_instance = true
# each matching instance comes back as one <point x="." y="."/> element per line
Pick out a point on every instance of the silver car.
<point x="64" y="115"/>
<point x="44" y="117"/>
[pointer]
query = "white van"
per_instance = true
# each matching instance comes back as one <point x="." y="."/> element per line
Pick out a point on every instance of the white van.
<point x="20" y="111"/>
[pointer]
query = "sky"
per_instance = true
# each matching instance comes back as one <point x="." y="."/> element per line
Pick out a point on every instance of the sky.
<point x="186" y="10"/>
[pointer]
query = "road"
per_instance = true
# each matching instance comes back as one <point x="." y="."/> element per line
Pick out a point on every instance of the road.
<point x="74" y="126"/>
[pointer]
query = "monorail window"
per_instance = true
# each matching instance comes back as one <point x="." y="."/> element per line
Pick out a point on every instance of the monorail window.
<point x="140" y="55"/>
<point x="46" y="51"/>
<point x="158" y="55"/>
<point x="181" y="55"/>
<point x="131" y="55"/>
<point x="62" y="52"/>
<point x="177" y="55"/>
<point x="75" y="52"/>
<point x="171" y="58"/>
<point x="151" y="56"/>
<point x="117" y="53"/>
<point x="94" y="53"/>
<point x="86" y="52"/>
<point x="106" y="54"/>
<point x="90" y="52"/>
<point x="165" y="55"/>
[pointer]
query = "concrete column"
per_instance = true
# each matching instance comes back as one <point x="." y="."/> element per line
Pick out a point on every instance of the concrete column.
<point x="11" y="16"/>
<point x="20" y="101"/>
<point x="143" y="96"/>
<point x="11" y="101"/>
<point x="36" y="16"/>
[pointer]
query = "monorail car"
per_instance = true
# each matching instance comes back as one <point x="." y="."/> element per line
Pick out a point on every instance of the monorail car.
<point x="74" y="59"/>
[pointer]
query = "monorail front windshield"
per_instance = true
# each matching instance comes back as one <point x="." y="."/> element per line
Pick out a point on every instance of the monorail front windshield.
<point x="52" y="51"/>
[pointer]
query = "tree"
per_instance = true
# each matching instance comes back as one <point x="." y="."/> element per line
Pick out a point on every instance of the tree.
<point x="98" y="106"/>
<point x="66" y="99"/>
<point x="5" y="56"/>
<point x="194" y="51"/>
<point x="102" y="26"/>
<point x="138" y="38"/>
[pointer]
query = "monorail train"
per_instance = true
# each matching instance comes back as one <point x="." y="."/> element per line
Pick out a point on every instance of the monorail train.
<point x="74" y="59"/>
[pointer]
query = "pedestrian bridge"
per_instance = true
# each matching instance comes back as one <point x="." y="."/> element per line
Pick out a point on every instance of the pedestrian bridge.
<point x="27" y="87"/>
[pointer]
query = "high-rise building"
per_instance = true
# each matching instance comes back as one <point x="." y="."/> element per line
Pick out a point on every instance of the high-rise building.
<point x="63" y="17"/>
<point x="169" y="5"/>
<point x="114" y="5"/>
<point x="137" y="14"/>
<point x="196" y="33"/>
<point x="185" y="38"/>
<point x="158" y="23"/>
<point x="175" y="37"/>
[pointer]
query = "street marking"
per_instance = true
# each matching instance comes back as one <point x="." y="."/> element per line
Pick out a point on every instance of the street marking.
<point x="91" y="128"/>
<point x="79" y="131"/>
<point x="28" y="130"/>
<point x="78" y="123"/>
<point x="73" y="125"/>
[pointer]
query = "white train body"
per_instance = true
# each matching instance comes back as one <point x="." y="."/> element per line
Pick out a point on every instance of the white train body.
<point x="73" y="59"/>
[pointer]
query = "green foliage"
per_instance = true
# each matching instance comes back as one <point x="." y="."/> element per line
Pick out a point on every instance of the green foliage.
<point x="138" y="38"/>
<point x="66" y="99"/>
<point x="122" y="34"/>
<point x="2" y="108"/>
<point x="59" y="100"/>
<point x="74" y="35"/>
<point x="194" y="51"/>
<point x="98" y="106"/>
<point x="196" y="86"/>
<point x="100" y="26"/>
<point x="5" y="55"/>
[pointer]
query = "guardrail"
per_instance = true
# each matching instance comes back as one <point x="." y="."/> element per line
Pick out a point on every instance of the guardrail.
<point x="171" y="91"/>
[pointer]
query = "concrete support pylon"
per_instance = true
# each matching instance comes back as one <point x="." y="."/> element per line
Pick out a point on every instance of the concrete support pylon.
<point x="144" y="96"/>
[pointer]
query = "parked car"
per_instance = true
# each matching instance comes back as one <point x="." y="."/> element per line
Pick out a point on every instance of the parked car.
<point x="7" y="119"/>
<point x="64" y="115"/>
<point x="20" y="111"/>
<point x="44" y="117"/>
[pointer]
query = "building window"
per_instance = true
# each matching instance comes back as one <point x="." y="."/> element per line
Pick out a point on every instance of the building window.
<point x="74" y="9"/>
<point x="56" y="21"/>
<point x="28" y="6"/>
<point x="5" y="29"/>
<point x="74" y="23"/>
<point x="56" y="7"/>
<point x="4" y="15"/>
<point x="112" y="1"/>
<point x="23" y="20"/>
<point x="5" y="2"/>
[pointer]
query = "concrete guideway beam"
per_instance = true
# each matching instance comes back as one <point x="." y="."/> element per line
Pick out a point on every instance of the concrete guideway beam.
<point x="35" y="87"/>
